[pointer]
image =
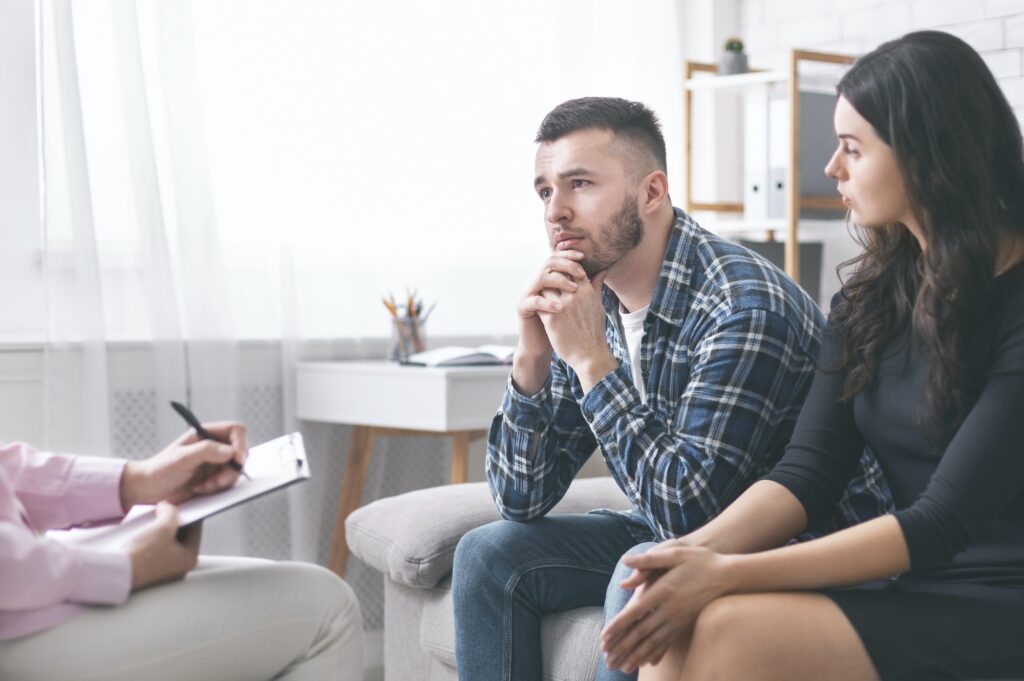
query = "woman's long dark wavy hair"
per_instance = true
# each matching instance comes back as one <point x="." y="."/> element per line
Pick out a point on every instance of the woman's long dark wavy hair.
<point x="931" y="98"/>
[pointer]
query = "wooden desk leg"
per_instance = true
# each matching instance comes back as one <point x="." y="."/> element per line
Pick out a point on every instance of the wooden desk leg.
<point x="460" y="453"/>
<point x="460" y="456"/>
<point x="351" y="492"/>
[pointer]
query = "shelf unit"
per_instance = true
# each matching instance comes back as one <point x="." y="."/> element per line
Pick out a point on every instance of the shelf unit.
<point x="794" y="200"/>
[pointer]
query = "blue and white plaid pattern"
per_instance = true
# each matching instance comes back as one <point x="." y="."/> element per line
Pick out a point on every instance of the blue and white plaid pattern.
<point x="728" y="352"/>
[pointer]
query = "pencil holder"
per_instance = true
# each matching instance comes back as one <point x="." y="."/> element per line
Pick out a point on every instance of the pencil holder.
<point x="407" y="338"/>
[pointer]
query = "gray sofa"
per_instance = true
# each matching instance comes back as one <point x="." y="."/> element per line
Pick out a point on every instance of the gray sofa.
<point x="411" y="539"/>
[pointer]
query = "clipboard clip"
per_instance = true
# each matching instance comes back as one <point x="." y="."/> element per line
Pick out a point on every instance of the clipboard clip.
<point x="283" y="457"/>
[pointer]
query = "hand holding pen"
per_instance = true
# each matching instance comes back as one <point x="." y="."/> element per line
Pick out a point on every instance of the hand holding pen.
<point x="203" y="434"/>
<point x="191" y="465"/>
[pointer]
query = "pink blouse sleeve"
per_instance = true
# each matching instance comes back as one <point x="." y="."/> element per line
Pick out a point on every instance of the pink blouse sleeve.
<point x="41" y="491"/>
<point x="58" y="490"/>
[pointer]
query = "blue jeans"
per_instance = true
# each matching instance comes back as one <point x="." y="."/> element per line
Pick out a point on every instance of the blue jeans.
<point x="507" y="575"/>
<point x="614" y="601"/>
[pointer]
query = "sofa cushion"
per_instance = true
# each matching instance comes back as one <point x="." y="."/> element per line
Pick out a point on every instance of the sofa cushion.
<point x="411" y="537"/>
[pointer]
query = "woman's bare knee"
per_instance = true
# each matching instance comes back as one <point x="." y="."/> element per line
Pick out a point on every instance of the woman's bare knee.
<point x="719" y="620"/>
<point x="775" y="636"/>
<point x="718" y="636"/>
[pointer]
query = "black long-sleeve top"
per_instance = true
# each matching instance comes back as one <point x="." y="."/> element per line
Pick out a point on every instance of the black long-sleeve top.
<point x="962" y="513"/>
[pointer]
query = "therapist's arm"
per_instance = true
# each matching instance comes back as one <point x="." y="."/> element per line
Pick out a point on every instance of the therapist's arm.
<point x="61" y="490"/>
<point x="37" y="571"/>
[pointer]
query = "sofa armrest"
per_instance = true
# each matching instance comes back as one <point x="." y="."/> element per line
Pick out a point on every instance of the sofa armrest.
<point x="411" y="537"/>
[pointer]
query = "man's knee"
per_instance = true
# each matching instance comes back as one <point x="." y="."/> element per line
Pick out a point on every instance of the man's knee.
<point x="616" y="597"/>
<point x="490" y="553"/>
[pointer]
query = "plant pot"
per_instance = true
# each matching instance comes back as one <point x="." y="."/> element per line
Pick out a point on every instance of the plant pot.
<point x="732" y="62"/>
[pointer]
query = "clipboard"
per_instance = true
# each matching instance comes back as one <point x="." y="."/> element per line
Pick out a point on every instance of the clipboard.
<point x="271" y="466"/>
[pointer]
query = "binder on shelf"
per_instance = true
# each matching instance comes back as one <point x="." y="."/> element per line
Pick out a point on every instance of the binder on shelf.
<point x="817" y="142"/>
<point x="776" y="193"/>
<point x="778" y="156"/>
<point x="755" y="155"/>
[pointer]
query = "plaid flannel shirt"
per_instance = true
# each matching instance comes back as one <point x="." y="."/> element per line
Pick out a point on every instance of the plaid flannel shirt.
<point x="727" y="358"/>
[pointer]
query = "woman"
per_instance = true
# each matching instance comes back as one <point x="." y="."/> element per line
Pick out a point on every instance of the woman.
<point x="923" y="363"/>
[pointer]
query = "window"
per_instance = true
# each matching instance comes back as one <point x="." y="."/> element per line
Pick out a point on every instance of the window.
<point x="344" y="151"/>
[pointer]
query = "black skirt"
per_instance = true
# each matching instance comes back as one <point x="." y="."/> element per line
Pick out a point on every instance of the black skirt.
<point x="932" y="630"/>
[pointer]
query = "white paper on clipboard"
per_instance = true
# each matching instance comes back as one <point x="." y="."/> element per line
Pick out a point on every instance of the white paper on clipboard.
<point x="273" y="465"/>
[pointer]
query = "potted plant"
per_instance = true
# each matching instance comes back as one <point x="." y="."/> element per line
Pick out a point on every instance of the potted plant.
<point x="733" y="59"/>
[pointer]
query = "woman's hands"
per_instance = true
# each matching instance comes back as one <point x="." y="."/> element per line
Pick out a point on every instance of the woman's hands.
<point x="186" y="468"/>
<point x="673" y="583"/>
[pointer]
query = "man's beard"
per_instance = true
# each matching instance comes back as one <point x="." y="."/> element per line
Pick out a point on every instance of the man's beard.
<point x="618" y="236"/>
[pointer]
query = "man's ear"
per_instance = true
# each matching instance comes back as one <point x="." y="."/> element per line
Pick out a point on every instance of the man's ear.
<point x="655" y="192"/>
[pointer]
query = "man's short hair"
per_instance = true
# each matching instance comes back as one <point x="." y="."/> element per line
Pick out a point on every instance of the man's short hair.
<point x="631" y="122"/>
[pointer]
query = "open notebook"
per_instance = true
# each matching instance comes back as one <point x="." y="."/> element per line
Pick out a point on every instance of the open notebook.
<point x="455" y="355"/>
<point x="270" y="466"/>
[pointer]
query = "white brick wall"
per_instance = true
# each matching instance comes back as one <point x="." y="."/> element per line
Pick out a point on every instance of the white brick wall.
<point x="993" y="27"/>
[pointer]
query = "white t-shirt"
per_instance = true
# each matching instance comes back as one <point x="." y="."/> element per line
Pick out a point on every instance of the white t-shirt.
<point x="633" y="330"/>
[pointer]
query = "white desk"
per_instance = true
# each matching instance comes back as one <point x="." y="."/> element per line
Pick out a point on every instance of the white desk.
<point x="384" y="399"/>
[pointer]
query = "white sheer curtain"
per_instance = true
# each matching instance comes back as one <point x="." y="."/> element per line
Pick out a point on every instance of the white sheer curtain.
<point x="228" y="170"/>
<point x="131" y="253"/>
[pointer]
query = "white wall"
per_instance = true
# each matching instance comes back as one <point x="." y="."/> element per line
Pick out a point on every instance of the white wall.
<point x="993" y="27"/>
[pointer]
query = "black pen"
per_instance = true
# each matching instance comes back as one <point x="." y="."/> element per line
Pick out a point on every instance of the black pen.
<point x="204" y="434"/>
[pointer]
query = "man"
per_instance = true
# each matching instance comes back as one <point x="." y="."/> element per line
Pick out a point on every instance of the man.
<point x="232" y="618"/>
<point x="684" y="358"/>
